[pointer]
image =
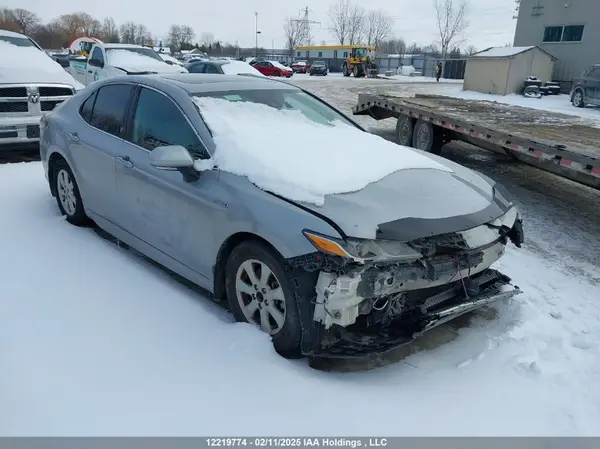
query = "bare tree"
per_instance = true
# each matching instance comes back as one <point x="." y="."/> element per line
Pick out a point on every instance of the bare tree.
<point x="110" y="32"/>
<point x="174" y="38"/>
<point x="187" y="36"/>
<point x="294" y="34"/>
<point x="452" y="23"/>
<point x="143" y="35"/>
<point x="356" y="25"/>
<point x="206" y="39"/>
<point x="392" y="47"/>
<point x="338" y="18"/>
<point x="128" y="32"/>
<point x="471" y="50"/>
<point x="378" y="27"/>
<point x="26" y="20"/>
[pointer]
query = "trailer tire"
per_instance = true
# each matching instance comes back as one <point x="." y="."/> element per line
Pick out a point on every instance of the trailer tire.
<point x="427" y="137"/>
<point x="404" y="130"/>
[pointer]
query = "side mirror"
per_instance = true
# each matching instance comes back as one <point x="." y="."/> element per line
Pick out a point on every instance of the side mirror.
<point x="174" y="158"/>
<point x="95" y="63"/>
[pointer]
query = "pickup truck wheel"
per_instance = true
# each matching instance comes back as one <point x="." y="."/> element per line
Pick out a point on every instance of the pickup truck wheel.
<point x="404" y="130"/>
<point x="259" y="292"/>
<point x="577" y="99"/>
<point x="67" y="194"/>
<point x="426" y="137"/>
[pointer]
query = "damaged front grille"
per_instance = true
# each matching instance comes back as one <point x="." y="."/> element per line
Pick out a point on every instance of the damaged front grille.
<point x="439" y="244"/>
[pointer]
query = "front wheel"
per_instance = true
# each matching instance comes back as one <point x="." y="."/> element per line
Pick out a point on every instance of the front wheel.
<point x="577" y="99"/>
<point x="259" y="292"/>
<point x="68" y="196"/>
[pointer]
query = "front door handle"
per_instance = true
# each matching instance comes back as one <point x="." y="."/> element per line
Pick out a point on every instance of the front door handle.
<point x="89" y="71"/>
<point x="74" y="137"/>
<point x="125" y="160"/>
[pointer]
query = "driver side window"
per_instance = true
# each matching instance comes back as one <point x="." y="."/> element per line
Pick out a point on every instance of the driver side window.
<point x="98" y="55"/>
<point x="197" y="68"/>
<point x="159" y="122"/>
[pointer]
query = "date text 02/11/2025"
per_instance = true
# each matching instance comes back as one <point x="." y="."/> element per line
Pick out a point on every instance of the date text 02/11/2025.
<point x="299" y="442"/>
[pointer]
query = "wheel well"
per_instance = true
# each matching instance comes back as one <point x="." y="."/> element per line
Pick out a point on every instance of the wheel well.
<point x="223" y="254"/>
<point x="54" y="158"/>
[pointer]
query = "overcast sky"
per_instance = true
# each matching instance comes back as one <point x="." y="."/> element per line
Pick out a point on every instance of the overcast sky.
<point x="233" y="20"/>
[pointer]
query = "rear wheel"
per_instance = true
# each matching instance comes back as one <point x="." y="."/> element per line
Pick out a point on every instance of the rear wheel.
<point x="577" y="99"/>
<point x="259" y="292"/>
<point x="404" y="130"/>
<point x="427" y="137"/>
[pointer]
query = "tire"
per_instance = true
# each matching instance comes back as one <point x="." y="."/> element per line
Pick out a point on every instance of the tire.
<point x="277" y="74"/>
<point x="578" y="99"/>
<point x="345" y="70"/>
<point x="404" y="130"/>
<point x="67" y="194"/>
<point x="249" y="257"/>
<point x="427" y="138"/>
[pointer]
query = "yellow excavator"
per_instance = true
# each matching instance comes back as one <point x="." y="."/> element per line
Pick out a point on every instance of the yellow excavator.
<point x="360" y="62"/>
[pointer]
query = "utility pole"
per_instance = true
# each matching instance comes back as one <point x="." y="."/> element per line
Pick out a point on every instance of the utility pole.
<point x="256" y="33"/>
<point x="304" y="23"/>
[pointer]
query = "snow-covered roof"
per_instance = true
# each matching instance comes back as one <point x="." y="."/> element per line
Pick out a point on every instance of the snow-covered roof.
<point x="502" y="52"/>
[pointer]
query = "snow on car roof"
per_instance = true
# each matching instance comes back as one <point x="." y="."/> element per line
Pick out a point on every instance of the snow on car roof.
<point x="237" y="67"/>
<point x="121" y="57"/>
<point x="12" y="34"/>
<point x="329" y="159"/>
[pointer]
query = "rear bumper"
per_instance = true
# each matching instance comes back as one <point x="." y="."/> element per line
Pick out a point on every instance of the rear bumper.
<point x="359" y="341"/>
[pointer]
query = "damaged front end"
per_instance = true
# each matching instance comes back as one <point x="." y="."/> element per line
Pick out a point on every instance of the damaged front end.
<point x="375" y="295"/>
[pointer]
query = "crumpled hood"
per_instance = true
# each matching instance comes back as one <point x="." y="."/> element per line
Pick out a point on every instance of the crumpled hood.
<point x="416" y="203"/>
<point x="35" y="67"/>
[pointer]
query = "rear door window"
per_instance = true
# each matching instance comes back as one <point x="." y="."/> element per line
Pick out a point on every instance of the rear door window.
<point x="110" y="109"/>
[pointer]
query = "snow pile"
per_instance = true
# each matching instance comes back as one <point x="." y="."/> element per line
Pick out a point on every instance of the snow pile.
<point x="327" y="160"/>
<point x="29" y="64"/>
<point x="130" y="59"/>
<point x="405" y="70"/>
<point x="237" y="67"/>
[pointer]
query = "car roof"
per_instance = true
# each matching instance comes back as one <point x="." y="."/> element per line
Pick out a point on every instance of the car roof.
<point x="122" y="46"/>
<point x="12" y="34"/>
<point x="196" y="83"/>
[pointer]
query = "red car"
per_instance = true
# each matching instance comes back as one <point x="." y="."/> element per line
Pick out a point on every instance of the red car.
<point x="301" y="67"/>
<point x="272" y="68"/>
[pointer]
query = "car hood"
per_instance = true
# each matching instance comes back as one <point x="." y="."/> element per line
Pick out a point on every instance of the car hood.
<point x="416" y="203"/>
<point x="34" y="68"/>
<point x="151" y="66"/>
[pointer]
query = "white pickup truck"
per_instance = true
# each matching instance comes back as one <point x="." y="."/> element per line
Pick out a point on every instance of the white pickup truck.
<point x="108" y="60"/>
<point x="31" y="83"/>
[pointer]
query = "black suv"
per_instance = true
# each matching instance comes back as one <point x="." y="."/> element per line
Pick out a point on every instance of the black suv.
<point x="586" y="88"/>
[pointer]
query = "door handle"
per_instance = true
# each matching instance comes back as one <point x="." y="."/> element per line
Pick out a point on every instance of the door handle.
<point x="74" y="137"/>
<point x="89" y="71"/>
<point x="125" y="160"/>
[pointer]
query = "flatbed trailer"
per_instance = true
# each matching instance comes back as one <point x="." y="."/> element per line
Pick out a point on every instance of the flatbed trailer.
<point x="565" y="145"/>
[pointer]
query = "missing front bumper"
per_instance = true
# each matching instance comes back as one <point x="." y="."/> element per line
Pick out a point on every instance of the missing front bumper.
<point x="359" y="341"/>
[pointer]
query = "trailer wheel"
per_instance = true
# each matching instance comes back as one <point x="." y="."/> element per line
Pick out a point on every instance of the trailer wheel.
<point x="404" y="130"/>
<point x="427" y="137"/>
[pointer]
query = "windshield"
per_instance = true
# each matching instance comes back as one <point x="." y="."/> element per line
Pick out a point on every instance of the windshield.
<point x="318" y="64"/>
<point x="294" y="100"/>
<point x="360" y="52"/>
<point x="19" y="41"/>
<point x="139" y="50"/>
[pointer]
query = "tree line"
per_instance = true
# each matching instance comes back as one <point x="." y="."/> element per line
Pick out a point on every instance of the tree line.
<point x="62" y="30"/>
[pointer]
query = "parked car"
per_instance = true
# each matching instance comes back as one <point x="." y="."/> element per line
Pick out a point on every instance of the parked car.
<point x="354" y="275"/>
<point x="586" y="89"/>
<point x="318" y="68"/>
<point x="300" y="66"/>
<point x="222" y="67"/>
<point x="272" y="68"/>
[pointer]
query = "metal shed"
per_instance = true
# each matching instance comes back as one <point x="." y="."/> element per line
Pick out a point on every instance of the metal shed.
<point x="503" y="70"/>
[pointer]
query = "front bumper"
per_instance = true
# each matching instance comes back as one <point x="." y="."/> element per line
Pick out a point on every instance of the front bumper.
<point x="17" y="130"/>
<point x="359" y="341"/>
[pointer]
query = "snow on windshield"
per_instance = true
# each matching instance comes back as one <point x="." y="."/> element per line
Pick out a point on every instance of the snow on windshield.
<point x="279" y="66"/>
<point x="261" y="143"/>
<point x="237" y="67"/>
<point x="126" y="58"/>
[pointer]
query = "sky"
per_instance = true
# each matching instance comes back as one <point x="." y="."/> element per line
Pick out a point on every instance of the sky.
<point x="491" y="22"/>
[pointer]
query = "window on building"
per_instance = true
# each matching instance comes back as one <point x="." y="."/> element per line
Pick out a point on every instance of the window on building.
<point x="334" y="54"/>
<point x="298" y="54"/>
<point x="569" y="33"/>
<point x="320" y="54"/>
<point x="307" y="52"/>
<point x="345" y="54"/>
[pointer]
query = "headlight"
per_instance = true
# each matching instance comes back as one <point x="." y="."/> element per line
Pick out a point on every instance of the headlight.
<point x="363" y="250"/>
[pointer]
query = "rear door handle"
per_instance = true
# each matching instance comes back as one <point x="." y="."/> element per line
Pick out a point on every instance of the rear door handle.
<point x="125" y="160"/>
<point x="74" y="137"/>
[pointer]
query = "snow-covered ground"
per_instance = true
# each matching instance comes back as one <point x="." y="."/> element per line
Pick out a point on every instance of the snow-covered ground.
<point x="95" y="340"/>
